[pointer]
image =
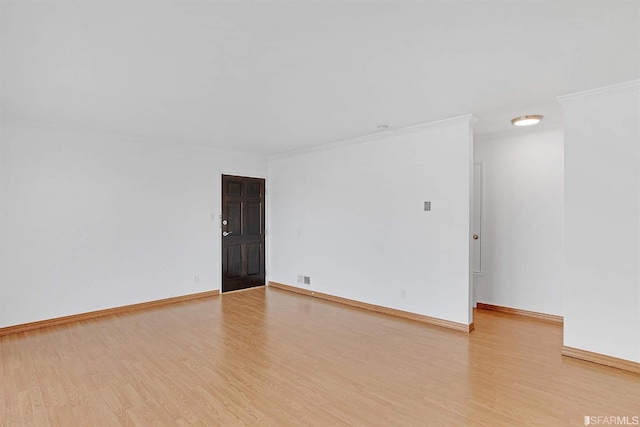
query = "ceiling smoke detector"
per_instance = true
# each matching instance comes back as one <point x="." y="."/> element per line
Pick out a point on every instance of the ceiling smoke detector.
<point x="531" y="120"/>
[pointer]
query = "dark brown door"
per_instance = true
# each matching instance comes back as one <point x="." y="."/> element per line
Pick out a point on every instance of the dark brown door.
<point x="242" y="232"/>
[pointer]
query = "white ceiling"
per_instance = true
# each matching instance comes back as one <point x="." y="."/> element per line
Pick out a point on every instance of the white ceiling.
<point x="277" y="76"/>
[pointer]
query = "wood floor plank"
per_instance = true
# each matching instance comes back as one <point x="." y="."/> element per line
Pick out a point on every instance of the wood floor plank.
<point x="273" y="358"/>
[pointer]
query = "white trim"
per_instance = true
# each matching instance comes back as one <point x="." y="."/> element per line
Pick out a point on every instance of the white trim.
<point x="620" y="87"/>
<point x="95" y="133"/>
<point x="515" y="131"/>
<point x="375" y="136"/>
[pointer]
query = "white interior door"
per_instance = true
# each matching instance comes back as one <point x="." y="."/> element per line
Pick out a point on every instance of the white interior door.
<point x="476" y="230"/>
<point x="476" y="242"/>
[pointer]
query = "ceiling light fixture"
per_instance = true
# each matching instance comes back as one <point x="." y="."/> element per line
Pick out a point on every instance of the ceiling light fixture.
<point x="383" y="127"/>
<point x="531" y="120"/>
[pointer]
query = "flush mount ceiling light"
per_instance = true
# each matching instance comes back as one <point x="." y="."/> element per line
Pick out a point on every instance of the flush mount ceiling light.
<point x="531" y="120"/>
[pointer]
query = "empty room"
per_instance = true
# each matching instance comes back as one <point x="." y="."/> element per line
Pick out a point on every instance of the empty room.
<point x="319" y="213"/>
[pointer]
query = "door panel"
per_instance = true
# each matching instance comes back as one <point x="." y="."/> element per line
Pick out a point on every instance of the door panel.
<point x="254" y="189"/>
<point x="253" y="260"/>
<point x="243" y="240"/>
<point x="234" y="260"/>
<point x="234" y="218"/>
<point x="252" y="220"/>
<point x="234" y="188"/>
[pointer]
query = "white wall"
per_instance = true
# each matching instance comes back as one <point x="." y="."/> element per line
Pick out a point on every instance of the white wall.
<point x="90" y="222"/>
<point x="351" y="217"/>
<point x="602" y="221"/>
<point x="2" y="238"/>
<point x="522" y="235"/>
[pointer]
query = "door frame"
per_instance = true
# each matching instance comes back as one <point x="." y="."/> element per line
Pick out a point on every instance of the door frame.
<point x="217" y="218"/>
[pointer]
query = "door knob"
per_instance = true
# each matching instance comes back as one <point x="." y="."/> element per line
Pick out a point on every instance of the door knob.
<point x="226" y="233"/>
<point x="475" y="237"/>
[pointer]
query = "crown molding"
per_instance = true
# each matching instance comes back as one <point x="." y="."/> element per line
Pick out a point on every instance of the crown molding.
<point x="519" y="132"/>
<point x="61" y="128"/>
<point x="468" y="118"/>
<point x="606" y="90"/>
<point x="46" y="126"/>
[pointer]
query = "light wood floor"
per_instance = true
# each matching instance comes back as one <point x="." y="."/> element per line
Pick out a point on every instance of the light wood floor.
<point x="269" y="357"/>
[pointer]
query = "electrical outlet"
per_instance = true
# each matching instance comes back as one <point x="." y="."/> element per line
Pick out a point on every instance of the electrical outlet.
<point x="307" y="280"/>
<point x="196" y="278"/>
<point x="403" y="293"/>
<point x="300" y="278"/>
